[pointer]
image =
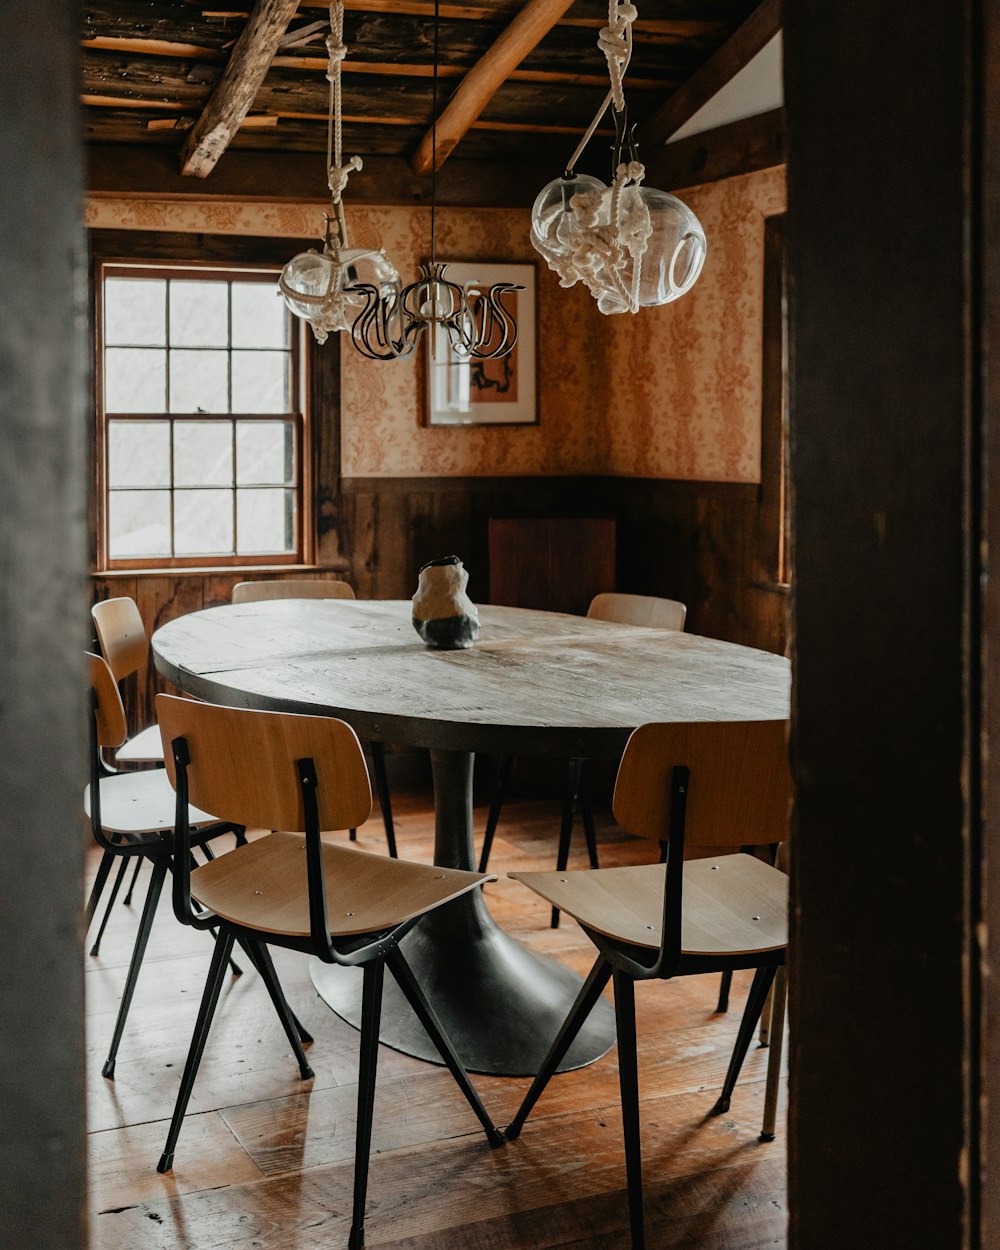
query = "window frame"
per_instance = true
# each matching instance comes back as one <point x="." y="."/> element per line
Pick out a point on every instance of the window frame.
<point x="774" y="532"/>
<point x="227" y="270"/>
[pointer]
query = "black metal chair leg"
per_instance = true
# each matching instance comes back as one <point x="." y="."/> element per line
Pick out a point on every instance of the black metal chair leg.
<point x="759" y="991"/>
<point x="122" y="868"/>
<point x="260" y="957"/>
<point x="777" y="1038"/>
<point x="138" y="951"/>
<point x="725" y="985"/>
<point x="384" y="797"/>
<point x="209" y="854"/>
<point x="209" y="1001"/>
<point x="425" y="1013"/>
<point x="590" y="992"/>
<point x="628" y="1079"/>
<point x="588" y="825"/>
<point x="573" y="773"/>
<point x="237" y="971"/>
<point x="127" y="900"/>
<point x="103" y="870"/>
<point x="305" y="1037"/>
<point x="352" y="835"/>
<point x="500" y="779"/>
<point x="371" y="1011"/>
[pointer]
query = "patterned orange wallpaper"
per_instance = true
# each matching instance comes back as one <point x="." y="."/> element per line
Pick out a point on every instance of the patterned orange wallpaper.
<point x="673" y="392"/>
<point x="382" y="430"/>
<point x="686" y="379"/>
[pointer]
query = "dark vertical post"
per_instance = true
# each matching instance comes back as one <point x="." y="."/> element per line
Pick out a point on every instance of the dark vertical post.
<point x="986" y="148"/>
<point x="43" y="473"/>
<point x="882" y="316"/>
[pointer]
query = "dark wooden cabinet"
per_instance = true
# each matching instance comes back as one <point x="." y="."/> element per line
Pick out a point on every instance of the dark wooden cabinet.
<point x="556" y="564"/>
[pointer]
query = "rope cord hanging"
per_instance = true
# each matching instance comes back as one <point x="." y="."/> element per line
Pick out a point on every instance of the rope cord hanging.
<point x="319" y="287"/>
<point x="338" y="172"/>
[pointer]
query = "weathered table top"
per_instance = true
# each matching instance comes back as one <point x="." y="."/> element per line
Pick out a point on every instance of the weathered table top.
<point x="536" y="683"/>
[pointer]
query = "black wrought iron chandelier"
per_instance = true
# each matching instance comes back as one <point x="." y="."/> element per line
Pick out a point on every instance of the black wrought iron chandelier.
<point x="472" y="316"/>
<point x="360" y="289"/>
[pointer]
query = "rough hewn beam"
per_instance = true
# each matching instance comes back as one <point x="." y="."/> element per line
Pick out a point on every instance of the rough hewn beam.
<point x="480" y="84"/>
<point x="737" y="148"/>
<point x="738" y="50"/>
<point x="235" y="91"/>
<point x="146" y="172"/>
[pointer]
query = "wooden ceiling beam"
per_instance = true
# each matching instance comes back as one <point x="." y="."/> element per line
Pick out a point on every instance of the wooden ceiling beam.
<point x="741" y="147"/>
<point x="482" y="82"/>
<point x="739" y="49"/>
<point x="489" y="10"/>
<point x="237" y="88"/>
<point x="144" y="172"/>
<point x="399" y="69"/>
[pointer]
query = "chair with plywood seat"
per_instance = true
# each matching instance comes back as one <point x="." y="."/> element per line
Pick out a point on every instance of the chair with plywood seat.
<point x="647" y="611"/>
<point x="640" y="610"/>
<point x="123" y="641"/>
<point x="301" y="588"/>
<point x="132" y="818"/>
<point x="290" y="588"/>
<point x="683" y="785"/>
<point x="303" y="775"/>
<point x="121" y="635"/>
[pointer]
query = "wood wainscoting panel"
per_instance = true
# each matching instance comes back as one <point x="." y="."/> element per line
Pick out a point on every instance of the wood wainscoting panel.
<point x="557" y="564"/>
<point x="692" y="541"/>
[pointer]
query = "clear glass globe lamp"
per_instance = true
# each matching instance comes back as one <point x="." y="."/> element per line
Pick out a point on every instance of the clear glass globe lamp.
<point x="317" y="286"/>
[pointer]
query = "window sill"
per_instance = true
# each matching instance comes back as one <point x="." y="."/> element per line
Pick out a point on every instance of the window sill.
<point x="214" y="570"/>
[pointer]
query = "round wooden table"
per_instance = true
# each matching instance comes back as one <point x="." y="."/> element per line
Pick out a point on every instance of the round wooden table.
<point x="536" y="683"/>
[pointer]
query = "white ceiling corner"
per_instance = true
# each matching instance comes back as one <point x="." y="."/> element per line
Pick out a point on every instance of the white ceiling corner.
<point x="757" y="88"/>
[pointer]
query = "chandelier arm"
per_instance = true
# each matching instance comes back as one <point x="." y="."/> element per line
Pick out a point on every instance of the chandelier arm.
<point x="497" y="313"/>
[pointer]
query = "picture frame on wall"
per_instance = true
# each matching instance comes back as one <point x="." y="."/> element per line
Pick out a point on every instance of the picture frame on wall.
<point x="487" y="392"/>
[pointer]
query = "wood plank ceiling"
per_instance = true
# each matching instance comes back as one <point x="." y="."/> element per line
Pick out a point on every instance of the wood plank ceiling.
<point x="150" y="67"/>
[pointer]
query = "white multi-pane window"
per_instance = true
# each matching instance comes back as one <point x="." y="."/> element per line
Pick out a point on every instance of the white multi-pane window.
<point x="201" y="418"/>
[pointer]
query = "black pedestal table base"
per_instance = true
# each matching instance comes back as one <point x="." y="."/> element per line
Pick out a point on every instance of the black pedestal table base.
<point x="501" y="1004"/>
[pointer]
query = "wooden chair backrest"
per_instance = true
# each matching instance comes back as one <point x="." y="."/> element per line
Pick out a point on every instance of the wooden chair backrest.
<point x="122" y="635"/>
<point x="243" y="764"/>
<point x="740" y="786"/>
<point x="645" y="610"/>
<point x="109" y="713"/>
<point x="298" y="588"/>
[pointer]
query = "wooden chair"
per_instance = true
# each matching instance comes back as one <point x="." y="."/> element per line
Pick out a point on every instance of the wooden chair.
<point x="123" y="642"/>
<point x="291" y="588"/>
<point x="646" y="610"/>
<point x="302" y="775"/>
<point x="300" y="588"/>
<point x="132" y="818"/>
<point x="720" y="784"/>
<point x="124" y="645"/>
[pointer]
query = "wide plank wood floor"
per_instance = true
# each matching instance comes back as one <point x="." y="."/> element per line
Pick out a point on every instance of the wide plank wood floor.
<point x="264" y="1160"/>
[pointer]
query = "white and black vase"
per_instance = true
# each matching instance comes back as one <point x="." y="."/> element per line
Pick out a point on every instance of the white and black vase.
<point x="443" y="614"/>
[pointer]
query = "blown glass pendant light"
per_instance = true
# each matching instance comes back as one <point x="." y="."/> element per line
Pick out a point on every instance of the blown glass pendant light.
<point x="632" y="246"/>
<point x="320" y="287"/>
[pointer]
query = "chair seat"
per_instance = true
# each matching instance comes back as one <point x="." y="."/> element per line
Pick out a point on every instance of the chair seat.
<point x="144" y="748"/>
<point x="140" y="803"/>
<point x="733" y="904"/>
<point x="263" y="886"/>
